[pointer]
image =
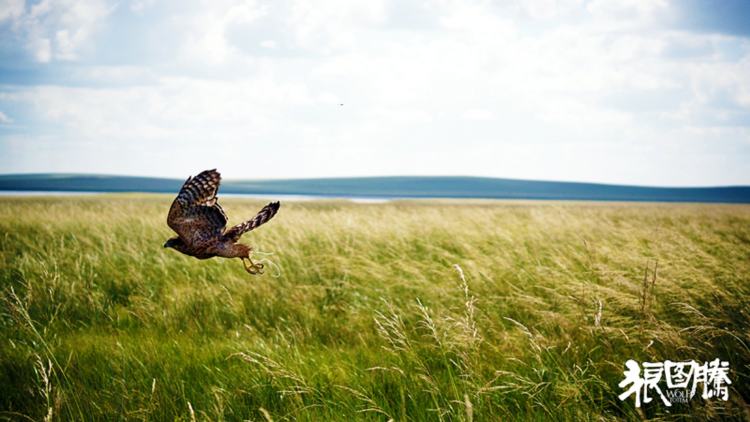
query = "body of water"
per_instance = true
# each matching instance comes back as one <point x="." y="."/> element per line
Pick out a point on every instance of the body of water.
<point x="293" y="198"/>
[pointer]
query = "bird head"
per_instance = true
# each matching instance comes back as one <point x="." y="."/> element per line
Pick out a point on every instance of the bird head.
<point x="171" y="243"/>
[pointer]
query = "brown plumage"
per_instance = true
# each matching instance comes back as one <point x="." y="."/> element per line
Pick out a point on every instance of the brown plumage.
<point x="199" y="222"/>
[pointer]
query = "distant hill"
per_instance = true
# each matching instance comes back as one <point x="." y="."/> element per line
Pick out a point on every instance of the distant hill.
<point x="387" y="187"/>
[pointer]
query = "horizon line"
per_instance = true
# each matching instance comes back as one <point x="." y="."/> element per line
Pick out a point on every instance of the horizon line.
<point x="426" y="176"/>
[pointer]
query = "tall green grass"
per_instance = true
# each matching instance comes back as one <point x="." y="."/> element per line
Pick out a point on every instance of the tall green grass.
<point x="404" y="311"/>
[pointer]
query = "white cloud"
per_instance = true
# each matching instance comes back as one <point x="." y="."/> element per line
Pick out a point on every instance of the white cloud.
<point x="205" y="31"/>
<point x="330" y="25"/>
<point x="10" y="9"/>
<point x="268" y="44"/>
<point x="547" y="89"/>
<point x="42" y="49"/>
<point x="622" y="14"/>
<point x="55" y="30"/>
<point x="4" y="119"/>
<point x="140" y="6"/>
<point x="478" y="114"/>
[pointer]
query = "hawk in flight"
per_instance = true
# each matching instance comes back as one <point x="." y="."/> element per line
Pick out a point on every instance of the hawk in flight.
<point x="200" y="223"/>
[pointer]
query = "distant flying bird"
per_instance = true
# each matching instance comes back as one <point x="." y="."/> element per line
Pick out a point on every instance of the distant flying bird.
<point x="199" y="221"/>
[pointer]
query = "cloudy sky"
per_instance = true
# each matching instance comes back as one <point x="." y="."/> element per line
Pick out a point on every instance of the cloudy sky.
<point x="621" y="91"/>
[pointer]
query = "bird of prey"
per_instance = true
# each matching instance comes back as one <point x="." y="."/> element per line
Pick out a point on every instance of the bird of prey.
<point x="200" y="223"/>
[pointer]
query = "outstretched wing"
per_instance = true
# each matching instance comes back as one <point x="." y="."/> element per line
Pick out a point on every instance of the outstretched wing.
<point x="195" y="214"/>
<point x="263" y="216"/>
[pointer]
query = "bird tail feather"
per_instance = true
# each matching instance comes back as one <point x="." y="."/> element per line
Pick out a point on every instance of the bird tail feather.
<point x="261" y="218"/>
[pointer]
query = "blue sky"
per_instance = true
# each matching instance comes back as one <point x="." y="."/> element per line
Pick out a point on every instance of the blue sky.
<point x="619" y="91"/>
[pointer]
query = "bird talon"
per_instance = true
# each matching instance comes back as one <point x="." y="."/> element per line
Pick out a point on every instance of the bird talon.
<point x="258" y="269"/>
<point x="253" y="268"/>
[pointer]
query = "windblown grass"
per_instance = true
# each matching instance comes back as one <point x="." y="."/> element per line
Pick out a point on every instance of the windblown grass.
<point x="403" y="311"/>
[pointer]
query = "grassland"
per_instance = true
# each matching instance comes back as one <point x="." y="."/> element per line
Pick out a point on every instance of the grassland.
<point x="365" y="315"/>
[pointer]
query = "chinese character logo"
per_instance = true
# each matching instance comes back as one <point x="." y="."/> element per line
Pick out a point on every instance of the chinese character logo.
<point x="679" y="377"/>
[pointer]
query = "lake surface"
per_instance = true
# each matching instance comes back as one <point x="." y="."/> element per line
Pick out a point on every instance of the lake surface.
<point x="294" y="198"/>
<point x="379" y="189"/>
